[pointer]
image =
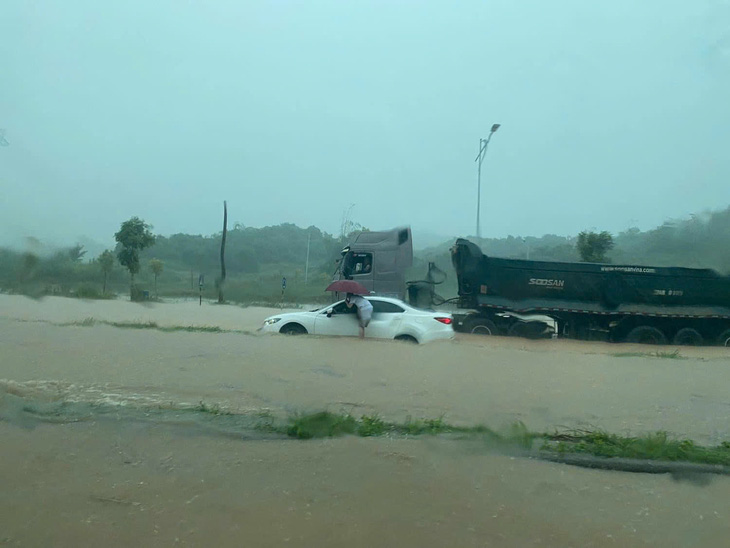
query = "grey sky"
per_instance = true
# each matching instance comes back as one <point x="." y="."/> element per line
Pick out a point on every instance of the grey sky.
<point x="612" y="113"/>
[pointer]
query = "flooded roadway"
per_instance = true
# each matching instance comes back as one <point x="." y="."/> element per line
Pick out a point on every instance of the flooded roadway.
<point x="83" y="479"/>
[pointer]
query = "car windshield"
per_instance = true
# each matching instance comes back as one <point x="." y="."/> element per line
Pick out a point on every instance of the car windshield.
<point x="533" y="195"/>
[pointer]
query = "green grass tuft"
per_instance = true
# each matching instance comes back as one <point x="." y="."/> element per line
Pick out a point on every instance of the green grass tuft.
<point x="371" y="425"/>
<point x="91" y="322"/>
<point x="326" y="424"/>
<point x="673" y="355"/>
<point x="192" y="328"/>
<point x="321" y="425"/>
<point x="656" y="446"/>
<point x="134" y="325"/>
<point x="213" y="409"/>
<point x="91" y="291"/>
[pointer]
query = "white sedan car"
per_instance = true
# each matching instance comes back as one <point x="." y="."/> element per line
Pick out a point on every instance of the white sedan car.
<point x="392" y="319"/>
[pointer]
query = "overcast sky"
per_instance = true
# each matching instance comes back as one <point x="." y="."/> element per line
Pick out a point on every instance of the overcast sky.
<point x="613" y="114"/>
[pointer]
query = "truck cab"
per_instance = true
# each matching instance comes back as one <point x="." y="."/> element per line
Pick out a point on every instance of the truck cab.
<point x="379" y="261"/>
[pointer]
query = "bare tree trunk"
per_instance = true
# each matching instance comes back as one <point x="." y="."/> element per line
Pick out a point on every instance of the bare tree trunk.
<point x="103" y="291"/>
<point x="155" y="285"/>
<point x="131" y="286"/>
<point x="223" y="251"/>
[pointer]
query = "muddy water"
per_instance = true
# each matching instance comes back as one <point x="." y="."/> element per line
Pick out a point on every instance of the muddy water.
<point x="145" y="473"/>
<point x="464" y="381"/>
<point x="183" y="312"/>
<point x="129" y="484"/>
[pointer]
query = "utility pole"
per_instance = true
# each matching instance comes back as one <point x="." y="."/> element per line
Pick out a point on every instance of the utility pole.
<point x="306" y="268"/>
<point x="483" y="144"/>
<point x="223" y="254"/>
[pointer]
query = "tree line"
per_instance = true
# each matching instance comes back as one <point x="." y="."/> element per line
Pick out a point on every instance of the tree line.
<point x="249" y="251"/>
<point x="702" y="241"/>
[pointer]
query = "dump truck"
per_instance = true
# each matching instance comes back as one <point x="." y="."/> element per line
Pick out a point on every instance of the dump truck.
<point x="620" y="303"/>
<point x="594" y="301"/>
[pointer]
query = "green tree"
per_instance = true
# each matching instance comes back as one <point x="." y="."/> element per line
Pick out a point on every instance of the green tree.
<point x="156" y="266"/>
<point x="134" y="235"/>
<point x="30" y="264"/>
<point x="76" y="253"/>
<point x="106" y="262"/>
<point x="593" y="246"/>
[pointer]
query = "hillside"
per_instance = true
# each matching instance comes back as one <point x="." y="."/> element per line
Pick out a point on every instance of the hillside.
<point x="257" y="259"/>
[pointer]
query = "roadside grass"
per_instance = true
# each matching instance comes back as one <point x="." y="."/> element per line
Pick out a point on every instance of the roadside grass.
<point x="325" y="424"/>
<point x="91" y="322"/>
<point x="594" y="448"/>
<point x="669" y="355"/>
<point x="251" y="292"/>
<point x="132" y="325"/>
<point x="321" y="425"/>
<point x="212" y="409"/>
<point x="86" y="322"/>
<point x="371" y="425"/>
<point x="658" y="446"/>
<point x="195" y="329"/>
<point x="90" y="291"/>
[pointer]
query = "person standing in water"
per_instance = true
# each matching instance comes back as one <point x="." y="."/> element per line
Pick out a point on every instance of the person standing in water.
<point x="364" y="311"/>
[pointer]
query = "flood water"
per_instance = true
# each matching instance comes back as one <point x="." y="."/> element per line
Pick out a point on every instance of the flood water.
<point x="101" y="443"/>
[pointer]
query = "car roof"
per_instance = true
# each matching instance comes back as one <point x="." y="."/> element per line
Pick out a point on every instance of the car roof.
<point x="391" y="300"/>
<point x="398" y="302"/>
<point x="386" y="299"/>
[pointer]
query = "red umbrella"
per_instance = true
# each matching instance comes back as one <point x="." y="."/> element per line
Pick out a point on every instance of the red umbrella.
<point x="348" y="286"/>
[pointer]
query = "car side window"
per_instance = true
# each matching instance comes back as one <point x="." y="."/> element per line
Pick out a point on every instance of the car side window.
<point x="341" y="308"/>
<point x="384" y="307"/>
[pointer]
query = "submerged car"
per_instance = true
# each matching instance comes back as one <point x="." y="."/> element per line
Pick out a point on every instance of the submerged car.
<point x="392" y="319"/>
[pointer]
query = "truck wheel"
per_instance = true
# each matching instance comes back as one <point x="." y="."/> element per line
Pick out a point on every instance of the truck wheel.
<point x="645" y="334"/>
<point x="688" y="337"/>
<point x="480" y="326"/>
<point x="724" y="339"/>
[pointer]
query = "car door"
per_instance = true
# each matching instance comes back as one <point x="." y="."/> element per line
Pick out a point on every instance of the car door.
<point x="386" y="320"/>
<point x="342" y="322"/>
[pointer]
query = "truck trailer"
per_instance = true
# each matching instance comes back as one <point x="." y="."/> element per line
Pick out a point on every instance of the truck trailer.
<point x="620" y="303"/>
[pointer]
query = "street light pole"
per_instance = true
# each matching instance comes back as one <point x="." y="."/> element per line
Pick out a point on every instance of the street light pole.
<point x="483" y="144"/>
<point x="524" y="241"/>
